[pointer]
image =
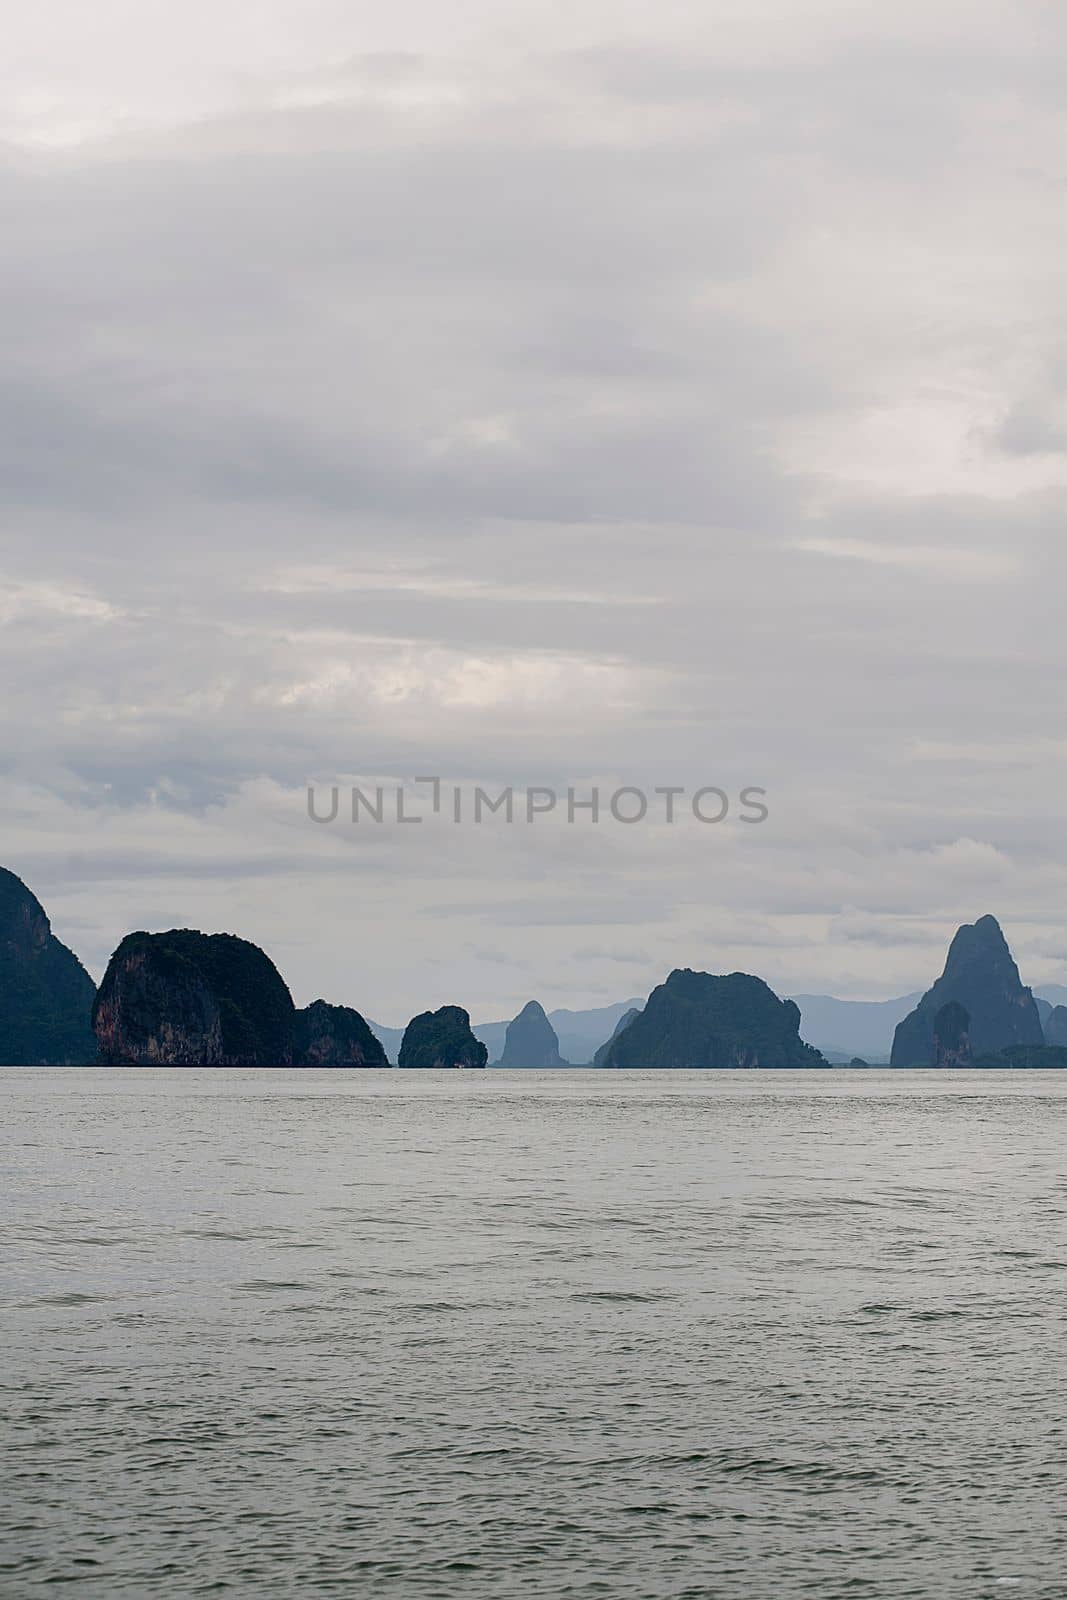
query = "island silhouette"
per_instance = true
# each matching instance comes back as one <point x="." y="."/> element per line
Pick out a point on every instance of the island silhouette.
<point x="184" y="998"/>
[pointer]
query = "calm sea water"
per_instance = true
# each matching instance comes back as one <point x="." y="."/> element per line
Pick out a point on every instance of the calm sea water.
<point x="513" y="1334"/>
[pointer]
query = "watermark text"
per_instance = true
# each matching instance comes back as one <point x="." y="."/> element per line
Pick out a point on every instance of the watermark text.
<point x="456" y="803"/>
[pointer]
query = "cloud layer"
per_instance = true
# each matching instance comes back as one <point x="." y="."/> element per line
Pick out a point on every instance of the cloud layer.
<point x="595" y="396"/>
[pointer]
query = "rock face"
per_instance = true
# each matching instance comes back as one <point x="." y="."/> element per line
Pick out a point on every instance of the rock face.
<point x="1027" y="1055"/>
<point x="441" y="1039"/>
<point x="952" y="1036"/>
<point x="335" y="1036"/>
<point x="531" y="1040"/>
<point x="697" y="1020"/>
<point x="46" y="995"/>
<point x="601" y="1056"/>
<point x="981" y="975"/>
<point x="188" y="999"/>
<point x="1056" y="1026"/>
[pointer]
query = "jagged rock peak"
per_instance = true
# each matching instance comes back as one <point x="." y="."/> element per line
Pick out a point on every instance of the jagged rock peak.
<point x="981" y="975"/>
<point x="531" y="1040"/>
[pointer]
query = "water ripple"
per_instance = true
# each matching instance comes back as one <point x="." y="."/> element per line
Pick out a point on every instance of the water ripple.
<point x="741" y="1336"/>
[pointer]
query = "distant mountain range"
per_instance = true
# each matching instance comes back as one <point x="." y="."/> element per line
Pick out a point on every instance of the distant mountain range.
<point x="842" y="1029"/>
<point x="186" y="998"/>
<point x="580" y="1033"/>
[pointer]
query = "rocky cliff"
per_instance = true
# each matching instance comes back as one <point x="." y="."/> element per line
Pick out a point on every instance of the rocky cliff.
<point x="531" y="1040"/>
<point x="441" y="1039"/>
<point x="46" y="995"/>
<point x="601" y="1056"/>
<point x="1027" y="1056"/>
<point x="1056" y="1026"/>
<point x="335" y="1036"/>
<point x="698" y="1020"/>
<point x="982" y="977"/>
<point x="189" y="999"/>
<point x="952" y="1036"/>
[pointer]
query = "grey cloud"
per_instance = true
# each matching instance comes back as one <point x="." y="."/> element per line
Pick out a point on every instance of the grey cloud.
<point x="1027" y="433"/>
<point x="569" y="335"/>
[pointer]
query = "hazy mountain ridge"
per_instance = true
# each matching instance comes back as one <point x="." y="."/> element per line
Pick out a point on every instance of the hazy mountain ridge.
<point x="846" y="1028"/>
<point x="186" y="997"/>
<point x="579" y="1033"/>
<point x="852" y="1027"/>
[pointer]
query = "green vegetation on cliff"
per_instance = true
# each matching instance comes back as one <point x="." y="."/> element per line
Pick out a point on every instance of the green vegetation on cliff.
<point x="46" y="995"/>
<point x="696" y="1019"/>
<point x="185" y="998"/>
<point x="441" y="1039"/>
<point x="1026" y="1055"/>
<point x="335" y="1036"/>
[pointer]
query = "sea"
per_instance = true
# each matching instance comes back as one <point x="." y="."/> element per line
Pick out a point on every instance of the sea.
<point x="416" y="1336"/>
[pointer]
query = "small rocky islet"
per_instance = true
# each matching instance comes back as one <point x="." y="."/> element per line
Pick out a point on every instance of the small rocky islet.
<point x="441" y="1038"/>
<point x="187" y="998"/>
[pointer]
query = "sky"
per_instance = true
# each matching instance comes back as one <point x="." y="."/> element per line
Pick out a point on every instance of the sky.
<point x="585" y="395"/>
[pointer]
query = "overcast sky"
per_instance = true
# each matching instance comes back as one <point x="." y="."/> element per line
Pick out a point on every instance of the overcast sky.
<point x="533" y="393"/>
